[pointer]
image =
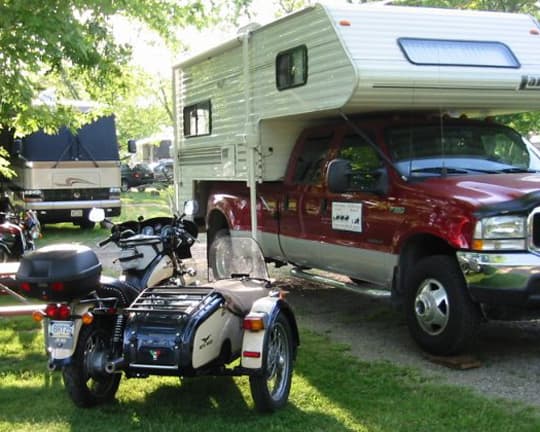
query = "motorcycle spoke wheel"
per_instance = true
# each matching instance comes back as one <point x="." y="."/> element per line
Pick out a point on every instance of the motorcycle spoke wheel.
<point x="270" y="391"/>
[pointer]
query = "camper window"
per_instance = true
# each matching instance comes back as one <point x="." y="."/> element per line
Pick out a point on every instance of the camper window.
<point x="197" y="119"/>
<point x="458" y="53"/>
<point x="291" y="68"/>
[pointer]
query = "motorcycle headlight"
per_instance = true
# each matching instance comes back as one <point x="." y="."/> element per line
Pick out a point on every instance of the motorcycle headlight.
<point x="507" y="232"/>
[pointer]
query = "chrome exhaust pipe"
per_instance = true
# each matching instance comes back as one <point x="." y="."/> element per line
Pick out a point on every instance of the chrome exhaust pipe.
<point x="115" y="366"/>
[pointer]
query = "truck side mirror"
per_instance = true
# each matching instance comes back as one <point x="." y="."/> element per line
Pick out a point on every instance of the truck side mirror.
<point x="132" y="146"/>
<point x="17" y="147"/>
<point x="338" y="175"/>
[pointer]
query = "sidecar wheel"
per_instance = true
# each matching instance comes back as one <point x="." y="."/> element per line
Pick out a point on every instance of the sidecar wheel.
<point x="270" y="391"/>
<point x="85" y="383"/>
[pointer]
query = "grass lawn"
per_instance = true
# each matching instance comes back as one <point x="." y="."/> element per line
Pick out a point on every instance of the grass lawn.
<point x="332" y="391"/>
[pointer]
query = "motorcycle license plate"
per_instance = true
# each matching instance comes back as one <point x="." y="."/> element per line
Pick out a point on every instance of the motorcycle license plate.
<point x="61" y="334"/>
<point x="76" y="213"/>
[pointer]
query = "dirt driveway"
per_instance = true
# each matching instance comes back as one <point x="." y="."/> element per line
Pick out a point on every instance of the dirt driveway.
<point x="509" y="353"/>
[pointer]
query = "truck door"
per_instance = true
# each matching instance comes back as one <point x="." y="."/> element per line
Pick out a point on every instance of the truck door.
<point x="356" y="226"/>
<point x="302" y="196"/>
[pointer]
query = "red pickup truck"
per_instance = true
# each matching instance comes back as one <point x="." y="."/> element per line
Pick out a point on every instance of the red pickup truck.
<point x="444" y="213"/>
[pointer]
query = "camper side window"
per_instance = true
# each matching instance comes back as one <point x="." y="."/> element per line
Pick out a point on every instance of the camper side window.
<point x="197" y="119"/>
<point x="291" y="68"/>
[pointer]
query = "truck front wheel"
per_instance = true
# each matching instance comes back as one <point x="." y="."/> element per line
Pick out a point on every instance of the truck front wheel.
<point x="440" y="315"/>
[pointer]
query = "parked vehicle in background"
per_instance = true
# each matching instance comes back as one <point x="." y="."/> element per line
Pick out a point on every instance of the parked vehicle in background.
<point x="62" y="176"/>
<point x="137" y="176"/>
<point x="18" y="234"/>
<point x="163" y="171"/>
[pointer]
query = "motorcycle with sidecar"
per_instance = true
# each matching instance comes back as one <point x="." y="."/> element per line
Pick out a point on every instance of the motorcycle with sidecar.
<point x="238" y="325"/>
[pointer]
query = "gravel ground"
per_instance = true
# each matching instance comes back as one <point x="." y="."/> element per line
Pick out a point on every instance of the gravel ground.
<point x="509" y="353"/>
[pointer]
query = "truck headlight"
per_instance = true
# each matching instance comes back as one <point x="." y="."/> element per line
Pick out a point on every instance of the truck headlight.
<point x="507" y="232"/>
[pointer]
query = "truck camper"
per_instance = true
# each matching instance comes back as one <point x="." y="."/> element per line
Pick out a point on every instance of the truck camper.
<point x="64" y="175"/>
<point x="360" y="140"/>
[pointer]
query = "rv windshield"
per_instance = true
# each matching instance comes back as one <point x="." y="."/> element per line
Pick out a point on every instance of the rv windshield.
<point x="420" y="151"/>
<point x="93" y="142"/>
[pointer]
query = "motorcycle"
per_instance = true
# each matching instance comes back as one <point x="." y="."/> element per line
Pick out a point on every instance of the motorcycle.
<point x="152" y="251"/>
<point x="85" y="309"/>
<point x="18" y="233"/>
<point x="95" y="335"/>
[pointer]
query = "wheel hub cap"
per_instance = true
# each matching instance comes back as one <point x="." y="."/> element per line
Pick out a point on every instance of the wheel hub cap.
<point x="431" y="307"/>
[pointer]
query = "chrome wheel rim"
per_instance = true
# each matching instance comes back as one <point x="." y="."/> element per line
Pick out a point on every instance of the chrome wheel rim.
<point x="278" y="364"/>
<point x="431" y="307"/>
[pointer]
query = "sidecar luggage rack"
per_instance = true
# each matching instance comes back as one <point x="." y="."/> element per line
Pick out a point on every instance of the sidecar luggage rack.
<point x="169" y="300"/>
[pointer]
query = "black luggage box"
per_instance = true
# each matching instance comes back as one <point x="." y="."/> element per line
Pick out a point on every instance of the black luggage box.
<point x="59" y="272"/>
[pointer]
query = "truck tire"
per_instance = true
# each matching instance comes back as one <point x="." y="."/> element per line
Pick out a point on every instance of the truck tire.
<point x="224" y="236"/>
<point x="440" y="315"/>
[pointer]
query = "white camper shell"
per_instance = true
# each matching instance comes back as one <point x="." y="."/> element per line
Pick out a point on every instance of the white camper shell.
<point x="260" y="89"/>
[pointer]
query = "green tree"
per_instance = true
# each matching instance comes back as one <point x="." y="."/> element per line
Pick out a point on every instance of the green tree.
<point x="70" y="45"/>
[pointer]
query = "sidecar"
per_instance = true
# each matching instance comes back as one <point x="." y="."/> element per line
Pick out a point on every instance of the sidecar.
<point x="203" y="330"/>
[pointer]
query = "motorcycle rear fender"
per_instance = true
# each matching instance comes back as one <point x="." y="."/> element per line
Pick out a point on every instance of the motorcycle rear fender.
<point x="63" y="355"/>
<point x="255" y="342"/>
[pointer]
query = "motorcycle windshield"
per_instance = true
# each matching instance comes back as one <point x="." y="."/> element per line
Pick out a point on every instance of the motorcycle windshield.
<point x="238" y="256"/>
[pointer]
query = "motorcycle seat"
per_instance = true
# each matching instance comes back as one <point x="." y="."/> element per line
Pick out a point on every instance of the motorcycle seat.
<point x="240" y="294"/>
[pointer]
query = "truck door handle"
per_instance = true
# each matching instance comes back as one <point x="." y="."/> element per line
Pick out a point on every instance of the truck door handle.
<point x="324" y="206"/>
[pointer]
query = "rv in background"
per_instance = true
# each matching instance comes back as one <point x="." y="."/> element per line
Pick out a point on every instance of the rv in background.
<point x="63" y="176"/>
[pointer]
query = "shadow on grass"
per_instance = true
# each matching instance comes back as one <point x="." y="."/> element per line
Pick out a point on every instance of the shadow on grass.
<point x="199" y="404"/>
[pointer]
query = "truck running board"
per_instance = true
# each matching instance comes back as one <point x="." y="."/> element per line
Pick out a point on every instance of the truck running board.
<point x="366" y="289"/>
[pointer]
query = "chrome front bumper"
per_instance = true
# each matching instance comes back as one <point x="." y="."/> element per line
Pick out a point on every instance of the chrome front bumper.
<point x="502" y="278"/>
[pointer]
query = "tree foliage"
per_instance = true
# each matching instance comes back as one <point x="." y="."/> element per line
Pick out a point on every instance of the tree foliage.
<point x="69" y="44"/>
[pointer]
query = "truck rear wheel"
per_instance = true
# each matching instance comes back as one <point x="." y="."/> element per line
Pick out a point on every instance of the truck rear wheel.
<point x="440" y="315"/>
<point x="218" y="267"/>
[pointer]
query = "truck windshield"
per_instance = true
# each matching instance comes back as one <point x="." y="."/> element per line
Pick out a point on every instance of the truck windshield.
<point x="420" y="151"/>
<point x="93" y="142"/>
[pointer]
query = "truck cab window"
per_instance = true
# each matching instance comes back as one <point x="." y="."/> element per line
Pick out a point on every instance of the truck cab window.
<point x="310" y="163"/>
<point x="366" y="164"/>
<point x="467" y="148"/>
